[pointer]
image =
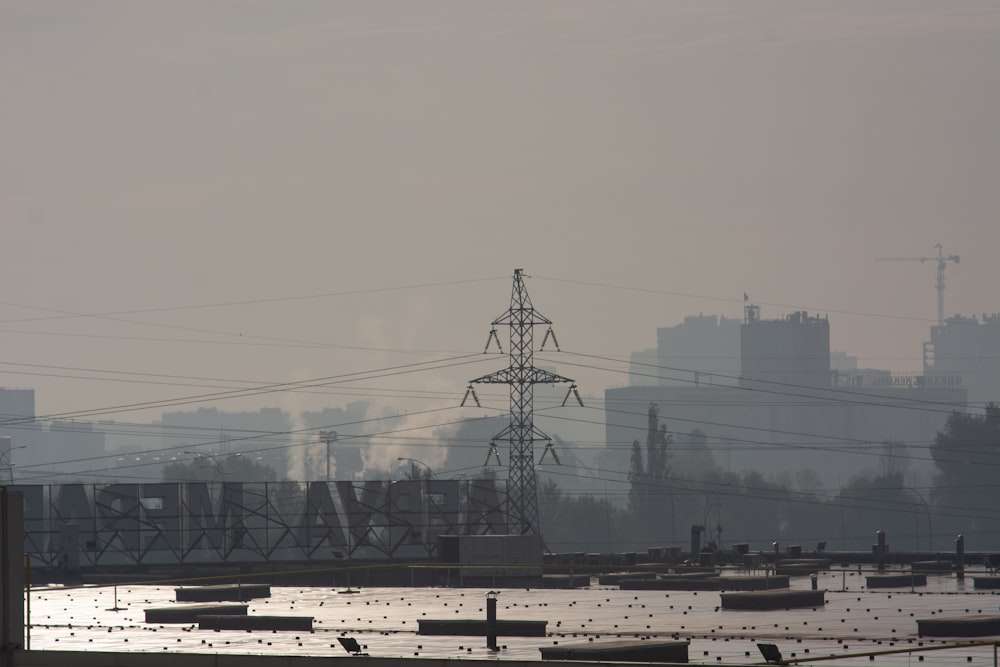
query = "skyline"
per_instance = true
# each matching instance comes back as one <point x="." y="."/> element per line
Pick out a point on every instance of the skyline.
<point x="641" y="163"/>
<point x="240" y="388"/>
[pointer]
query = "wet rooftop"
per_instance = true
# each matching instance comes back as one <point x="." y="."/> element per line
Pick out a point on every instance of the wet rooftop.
<point x="854" y="619"/>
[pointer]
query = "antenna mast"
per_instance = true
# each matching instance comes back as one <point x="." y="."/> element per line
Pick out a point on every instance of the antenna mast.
<point x="521" y="375"/>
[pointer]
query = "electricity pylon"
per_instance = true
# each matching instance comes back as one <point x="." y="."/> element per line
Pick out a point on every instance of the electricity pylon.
<point x="521" y="375"/>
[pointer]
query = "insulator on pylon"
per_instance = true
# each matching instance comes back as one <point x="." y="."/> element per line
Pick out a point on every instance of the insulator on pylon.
<point x="549" y="448"/>
<point x="493" y="337"/>
<point x="493" y="451"/>
<point x="573" y="392"/>
<point x="470" y="392"/>
<point x="555" y="341"/>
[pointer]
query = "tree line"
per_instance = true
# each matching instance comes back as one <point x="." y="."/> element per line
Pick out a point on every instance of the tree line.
<point x="673" y="486"/>
<point x="676" y="483"/>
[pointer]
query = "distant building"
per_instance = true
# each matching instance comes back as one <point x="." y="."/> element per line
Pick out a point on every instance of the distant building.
<point x="15" y="406"/>
<point x="965" y="352"/>
<point x="17" y="422"/>
<point x="219" y="433"/>
<point x="53" y="450"/>
<point x="643" y="368"/>
<point x="703" y="349"/>
<point x="74" y="447"/>
<point x="793" y="407"/>
<point x="794" y="350"/>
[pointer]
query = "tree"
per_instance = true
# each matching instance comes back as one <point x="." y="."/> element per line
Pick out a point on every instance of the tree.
<point x="578" y="523"/>
<point x="693" y="459"/>
<point x="808" y="482"/>
<point x="233" y="468"/>
<point x="967" y="455"/>
<point x="870" y="503"/>
<point x="417" y="472"/>
<point x="648" y="478"/>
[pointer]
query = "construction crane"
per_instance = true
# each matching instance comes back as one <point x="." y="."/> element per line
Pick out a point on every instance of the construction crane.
<point x="942" y="260"/>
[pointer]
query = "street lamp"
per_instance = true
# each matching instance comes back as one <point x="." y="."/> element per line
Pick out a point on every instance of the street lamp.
<point x="430" y="471"/>
<point x="5" y="461"/>
<point x="930" y="532"/>
<point x="328" y="437"/>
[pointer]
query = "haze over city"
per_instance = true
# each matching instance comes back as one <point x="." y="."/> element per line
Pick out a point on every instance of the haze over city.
<point x="263" y="323"/>
<point x="204" y="196"/>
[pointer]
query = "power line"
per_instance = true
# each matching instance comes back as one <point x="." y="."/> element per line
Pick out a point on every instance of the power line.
<point x="391" y="371"/>
<point x="65" y="314"/>
<point x="686" y="295"/>
<point x="831" y="394"/>
<point x="311" y="430"/>
<point x="357" y="391"/>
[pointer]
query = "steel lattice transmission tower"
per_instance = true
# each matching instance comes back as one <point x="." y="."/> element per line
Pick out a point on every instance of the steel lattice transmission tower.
<point x="522" y="376"/>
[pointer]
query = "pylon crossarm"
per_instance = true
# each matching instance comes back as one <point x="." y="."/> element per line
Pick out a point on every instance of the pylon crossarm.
<point x="528" y="316"/>
<point x="500" y="377"/>
<point x="505" y="433"/>
<point x="538" y="433"/>
<point x="539" y="376"/>
<point x="534" y="376"/>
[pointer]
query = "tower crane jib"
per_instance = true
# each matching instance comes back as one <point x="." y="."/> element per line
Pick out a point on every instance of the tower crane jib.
<point x="942" y="261"/>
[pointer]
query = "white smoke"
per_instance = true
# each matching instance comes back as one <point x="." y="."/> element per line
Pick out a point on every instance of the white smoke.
<point x="419" y="436"/>
<point x="408" y="424"/>
<point x="305" y="459"/>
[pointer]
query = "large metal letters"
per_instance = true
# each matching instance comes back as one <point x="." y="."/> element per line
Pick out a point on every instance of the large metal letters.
<point x="199" y="522"/>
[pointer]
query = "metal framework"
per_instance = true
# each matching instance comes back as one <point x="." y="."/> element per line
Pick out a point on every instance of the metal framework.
<point x="233" y="522"/>
<point x="521" y="375"/>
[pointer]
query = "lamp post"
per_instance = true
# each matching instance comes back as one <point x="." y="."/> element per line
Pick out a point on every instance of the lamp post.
<point x="930" y="531"/>
<point x="430" y="471"/>
<point x="328" y="437"/>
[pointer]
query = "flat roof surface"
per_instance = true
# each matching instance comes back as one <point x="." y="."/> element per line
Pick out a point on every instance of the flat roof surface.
<point x="853" y="620"/>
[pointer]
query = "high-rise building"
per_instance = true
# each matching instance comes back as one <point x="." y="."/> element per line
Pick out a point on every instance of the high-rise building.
<point x="794" y="350"/>
<point x="703" y="350"/>
<point x="789" y="411"/>
<point x="965" y="352"/>
<point x="643" y="368"/>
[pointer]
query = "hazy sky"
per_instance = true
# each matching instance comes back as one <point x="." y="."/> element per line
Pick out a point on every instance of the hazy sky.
<point x="640" y="160"/>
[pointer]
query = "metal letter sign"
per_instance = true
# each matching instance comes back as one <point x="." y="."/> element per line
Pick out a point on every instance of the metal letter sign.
<point x="199" y="522"/>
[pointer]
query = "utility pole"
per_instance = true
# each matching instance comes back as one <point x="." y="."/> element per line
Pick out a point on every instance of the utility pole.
<point x="521" y="376"/>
